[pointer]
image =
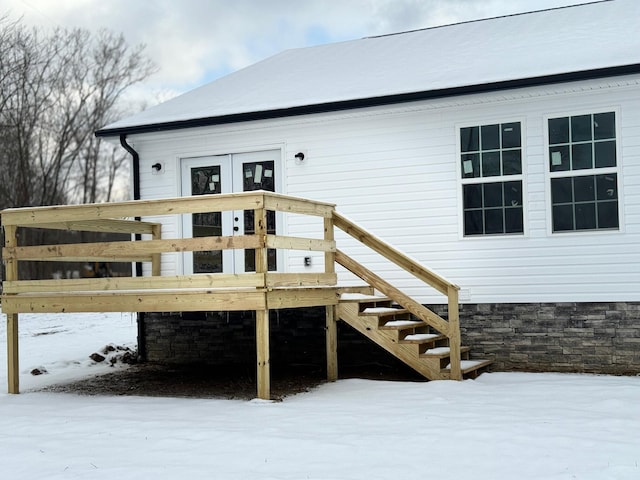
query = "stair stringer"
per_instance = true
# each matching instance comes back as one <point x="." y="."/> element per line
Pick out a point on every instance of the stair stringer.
<point x="388" y="339"/>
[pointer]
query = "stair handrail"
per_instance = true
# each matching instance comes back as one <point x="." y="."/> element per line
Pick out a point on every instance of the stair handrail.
<point x="450" y="328"/>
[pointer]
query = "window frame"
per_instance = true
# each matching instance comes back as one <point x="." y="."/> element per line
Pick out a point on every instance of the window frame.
<point x="461" y="181"/>
<point x="617" y="169"/>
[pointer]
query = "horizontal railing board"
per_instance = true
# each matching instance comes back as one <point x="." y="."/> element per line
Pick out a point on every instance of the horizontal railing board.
<point x="106" y="225"/>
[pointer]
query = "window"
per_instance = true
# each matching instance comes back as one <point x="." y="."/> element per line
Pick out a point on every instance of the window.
<point x="583" y="171"/>
<point x="491" y="167"/>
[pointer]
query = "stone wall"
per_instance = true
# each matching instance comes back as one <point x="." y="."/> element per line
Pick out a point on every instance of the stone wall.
<point x="559" y="337"/>
<point x="564" y="337"/>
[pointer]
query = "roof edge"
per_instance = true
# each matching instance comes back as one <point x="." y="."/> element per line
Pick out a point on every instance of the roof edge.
<point x="373" y="101"/>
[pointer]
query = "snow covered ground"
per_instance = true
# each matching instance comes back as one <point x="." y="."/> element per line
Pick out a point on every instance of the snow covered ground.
<point x="500" y="426"/>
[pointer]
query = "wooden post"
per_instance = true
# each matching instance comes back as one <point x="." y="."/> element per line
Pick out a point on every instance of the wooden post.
<point x="262" y="350"/>
<point x="332" y="343"/>
<point x="454" y="333"/>
<point x="13" y="373"/>
<point x="13" y="359"/>
<point x="329" y="257"/>
<point x="262" y="316"/>
<point x="156" y="234"/>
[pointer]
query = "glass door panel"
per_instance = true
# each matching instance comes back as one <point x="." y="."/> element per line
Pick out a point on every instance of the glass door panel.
<point x="258" y="176"/>
<point x="206" y="180"/>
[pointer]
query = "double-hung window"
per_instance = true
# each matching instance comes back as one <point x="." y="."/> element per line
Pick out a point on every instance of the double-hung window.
<point x="583" y="172"/>
<point x="491" y="170"/>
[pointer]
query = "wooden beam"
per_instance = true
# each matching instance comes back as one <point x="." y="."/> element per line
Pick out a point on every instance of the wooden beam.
<point x="301" y="297"/>
<point x="282" y="203"/>
<point x="392" y="254"/>
<point x="128" y="250"/>
<point x="174" y="282"/>
<point x="105" y="225"/>
<point x="13" y="361"/>
<point x="331" y="343"/>
<point x="34" y="216"/>
<point x="454" y="334"/>
<point x="301" y="279"/>
<point x="260" y="229"/>
<point x="132" y="301"/>
<point x="297" y="243"/>
<point x="392" y="292"/>
<point x="13" y="358"/>
<point x="156" y="258"/>
<point x="262" y="351"/>
<point x="329" y="256"/>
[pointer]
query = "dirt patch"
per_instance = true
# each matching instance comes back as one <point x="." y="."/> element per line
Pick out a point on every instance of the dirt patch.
<point x="215" y="382"/>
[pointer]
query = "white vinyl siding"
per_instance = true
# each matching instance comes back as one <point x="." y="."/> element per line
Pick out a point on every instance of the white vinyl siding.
<point x="395" y="170"/>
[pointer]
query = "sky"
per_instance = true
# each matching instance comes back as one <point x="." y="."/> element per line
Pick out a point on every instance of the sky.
<point x="193" y="42"/>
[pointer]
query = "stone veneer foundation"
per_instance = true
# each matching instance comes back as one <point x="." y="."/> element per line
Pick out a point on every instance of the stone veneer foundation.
<point x="562" y="337"/>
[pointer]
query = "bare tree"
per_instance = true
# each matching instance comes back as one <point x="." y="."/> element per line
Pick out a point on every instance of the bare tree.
<point x="55" y="91"/>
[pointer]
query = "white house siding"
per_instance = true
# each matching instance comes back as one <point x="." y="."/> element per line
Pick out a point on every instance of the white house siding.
<point x="394" y="170"/>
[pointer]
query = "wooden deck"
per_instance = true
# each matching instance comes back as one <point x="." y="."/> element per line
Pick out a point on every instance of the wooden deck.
<point x="260" y="291"/>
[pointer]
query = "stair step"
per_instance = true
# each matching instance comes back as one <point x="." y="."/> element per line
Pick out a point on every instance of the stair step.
<point x="383" y="311"/>
<point x="422" y="338"/>
<point x="469" y="365"/>
<point x="442" y="352"/>
<point x="361" y="297"/>
<point x="401" y="324"/>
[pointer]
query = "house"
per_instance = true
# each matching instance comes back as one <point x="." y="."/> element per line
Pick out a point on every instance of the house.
<point x="503" y="153"/>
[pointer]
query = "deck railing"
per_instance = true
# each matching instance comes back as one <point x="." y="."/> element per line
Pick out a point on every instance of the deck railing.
<point x="449" y="327"/>
<point x="260" y="290"/>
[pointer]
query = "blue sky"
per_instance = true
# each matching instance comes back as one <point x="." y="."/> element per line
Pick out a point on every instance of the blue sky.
<point x="196" y="41"/>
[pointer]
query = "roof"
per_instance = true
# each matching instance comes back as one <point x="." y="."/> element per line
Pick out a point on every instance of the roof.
<point x="591" y="40"/>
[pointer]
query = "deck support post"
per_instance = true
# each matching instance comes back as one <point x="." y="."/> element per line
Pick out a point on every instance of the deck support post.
<point x="11" y="273"/>
<point x="13" y="365"/>
<point x="332" y="343"/>
<point x="262" y="350"/>
<point x="454" y="333"/>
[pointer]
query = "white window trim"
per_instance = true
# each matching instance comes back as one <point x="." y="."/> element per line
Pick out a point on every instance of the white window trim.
<point x="618" y="169"/>
<point x="465" y="181"/>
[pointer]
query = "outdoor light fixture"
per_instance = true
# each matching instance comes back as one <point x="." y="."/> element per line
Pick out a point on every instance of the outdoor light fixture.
<point x="157" y="166"/>
<point x="299" y="156"/>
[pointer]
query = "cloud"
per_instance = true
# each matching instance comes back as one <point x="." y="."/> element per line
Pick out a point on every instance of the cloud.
<point x="196" y="41"/>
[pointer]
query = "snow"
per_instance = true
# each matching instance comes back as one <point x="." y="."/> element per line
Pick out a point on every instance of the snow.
<point x="570" y="39"/>
<point x="500" y="426"/>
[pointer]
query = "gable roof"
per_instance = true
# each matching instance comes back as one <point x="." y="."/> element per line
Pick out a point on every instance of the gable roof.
<point x="569" y="43"/>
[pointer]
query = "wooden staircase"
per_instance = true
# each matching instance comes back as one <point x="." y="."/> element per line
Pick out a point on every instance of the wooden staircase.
<point x="412" y="341"/>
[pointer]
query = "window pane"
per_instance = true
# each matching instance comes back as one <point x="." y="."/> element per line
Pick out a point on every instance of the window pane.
<point x="473" y="222"/>
<point x="493" y="195"/>
<point x="585" y="216"/>
<point x="469" y="139"/>
<point x="511" y="135"/>
<point x="561" y="190"/>
<point x="607" y="187"/>
<point x="558" y="130"/>
<point x="490" y="137"/>
<point x="581" y="128"/>
<point x="493" y="221"/>
<point x="512" y="194"/>
<point x="604" y="125"/>
<point x="584" y="189"/>
<point x="559" y="159"/>
<point x="472" y="196"/>
<point x="491" y="164"/>
<point x="605" y="154"/>
<point x="562" y="218"/>
<point x="470" y="165"/>
<point x="608" y="215"/>
<point x="511" y="162"/>
<point x="513" y="220"/>
<point x="581" y="156"/>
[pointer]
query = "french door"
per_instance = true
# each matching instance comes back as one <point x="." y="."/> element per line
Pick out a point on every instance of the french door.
<point x="220" y="174"/>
